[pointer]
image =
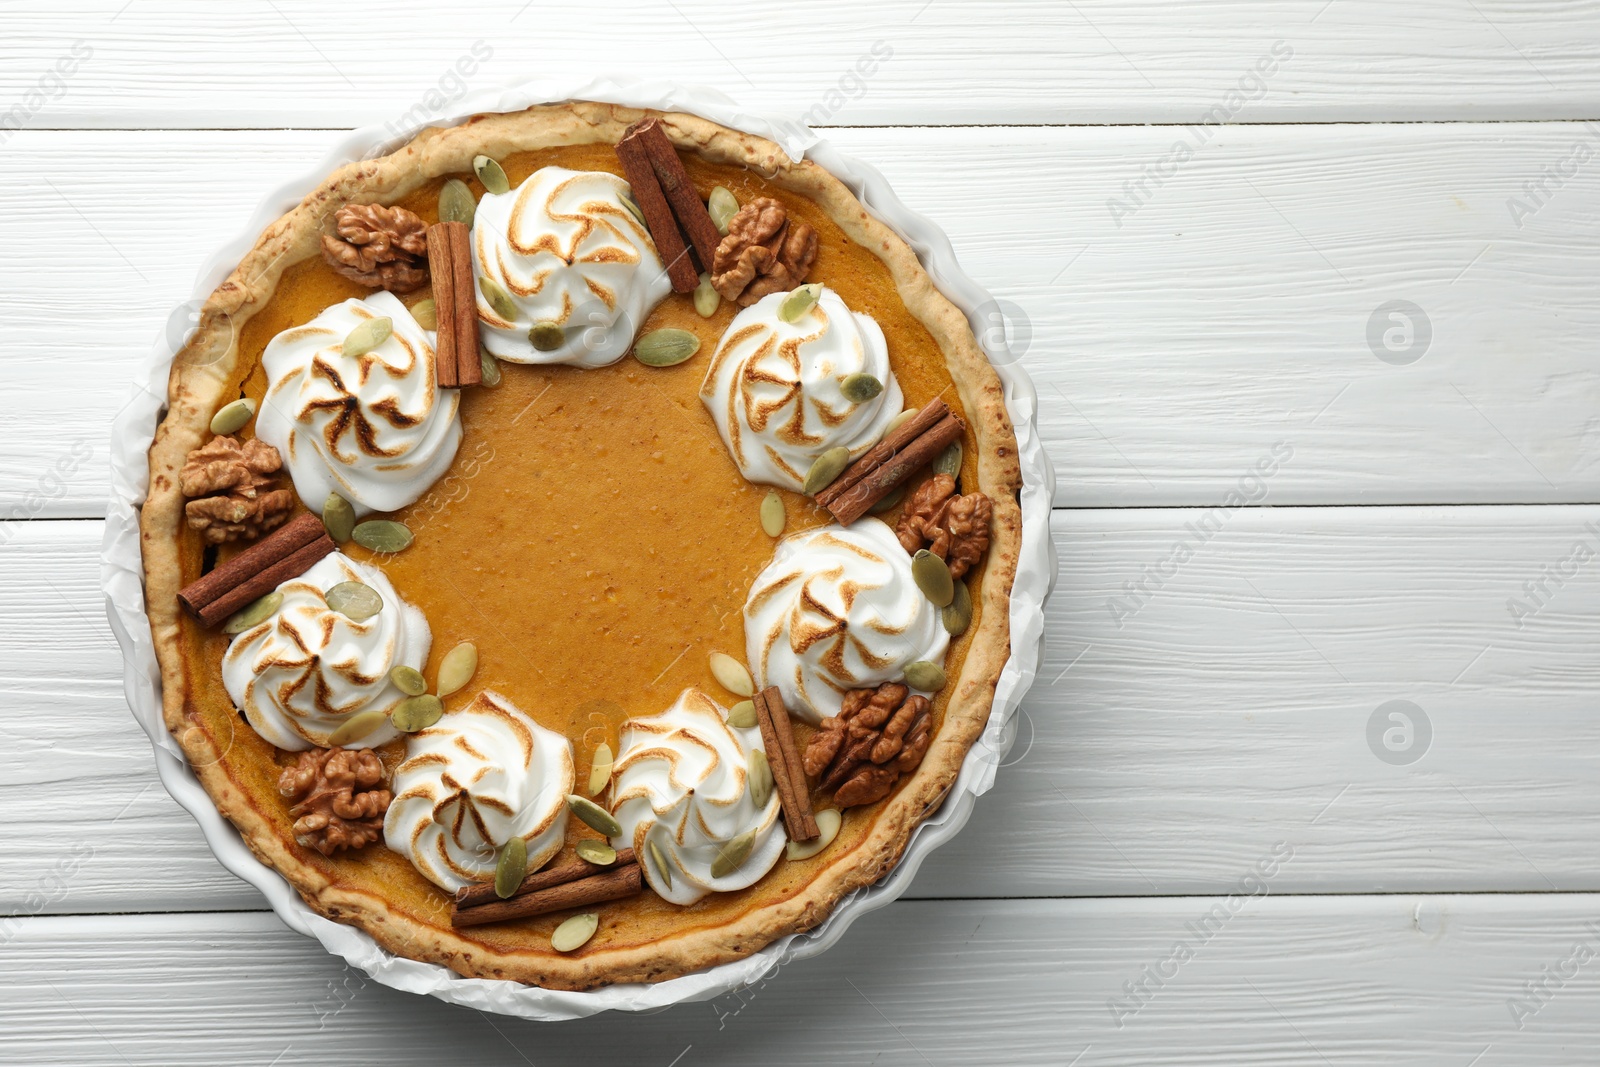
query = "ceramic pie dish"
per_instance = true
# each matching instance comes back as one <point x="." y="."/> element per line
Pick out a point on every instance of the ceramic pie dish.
<point x="596" y="522"/>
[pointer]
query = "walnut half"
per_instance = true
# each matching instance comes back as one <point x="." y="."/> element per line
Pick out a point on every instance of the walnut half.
<point x="951" y="526"/>
<point x="878" y="736"/>
<point x="765" y="252"/>
<point x="232" y="483"/>
<point x="384" y="247"/>
<point x="338" y="800"/>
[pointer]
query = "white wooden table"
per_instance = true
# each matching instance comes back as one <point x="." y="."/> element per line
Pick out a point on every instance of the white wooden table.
<point x="1211" y="845"/>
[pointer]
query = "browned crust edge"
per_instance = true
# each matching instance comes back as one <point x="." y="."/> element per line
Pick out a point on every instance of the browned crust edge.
<point x="206" y="365"/>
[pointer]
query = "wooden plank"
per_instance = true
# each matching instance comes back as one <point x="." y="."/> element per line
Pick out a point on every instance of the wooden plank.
<point x="1032" y="61"/>
<point x="1310" y="981"/>
<point x="1229" y="313"/>
<point x="1229" y="711"/>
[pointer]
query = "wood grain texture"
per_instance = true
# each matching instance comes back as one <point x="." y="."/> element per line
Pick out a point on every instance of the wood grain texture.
<point x="1227" y="712"/>
<point x="1290" y="982"/>
<point x="1025" y="61"/>
<point x="1229" y="312"/>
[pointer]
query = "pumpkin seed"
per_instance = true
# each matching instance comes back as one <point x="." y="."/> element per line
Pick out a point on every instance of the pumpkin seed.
<point x="596" y="852"/>
<point x="731" y="856"/>
<point x="634" y="209"/>
<point x="860" y="387"/>
<point x="231" y="417"/>
<point x="253" y="614"/>
<point x="546" y="336"/>
<point x="932" y="576"/>
<point x="799" y="301"/>
<point x="490" y="367"/>
<point x="949" y="461"/>
<point x="417" y="713"/>
<point x="760" y="778"/>
<point x="456" y="202"/>
<point x="593" y="815"/>
<point x="899" y="420"/>
<point x="339" y="517"/>
<point x="575" y="932"/>
<point x="706" y="297"/>
<point x="367" y="336"/>
<point x="665" y="348"/>
<point x="892" y="500"/>
<point x="661" y="864"/>
<point x="382" y="535"/>
<point x="491" y="174"/>
<point x="732" y="675"/>
<point x="457" y="667"/>
<point x="742" y="716"/>
<point x="828" y="821"/>
<point x="356" y="727"/>
<point x="957" y="615"/>
<point x="500" y="301"/>
<point x="773" y="515"/>
<point x="825" y="469"/>
<point x="925" y="676"/>
<point x="354" y="600"/>
<point x="600" y="769"/>
<point x="722" y="206"/>
<point x="408" y="680"/>
<point x="426" y="312"/>
<point x="511" y="868"/>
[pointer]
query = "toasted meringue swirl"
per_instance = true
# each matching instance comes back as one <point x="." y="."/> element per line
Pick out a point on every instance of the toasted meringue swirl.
<point x="773" y="387"/>
<point x="682" y="786"/>
<point x="375" y="428"/>
<point x="478" y="777"/>
<point x="567" y="251"/>
<point x="837" y="609"/>
<point x="306" y="669"/>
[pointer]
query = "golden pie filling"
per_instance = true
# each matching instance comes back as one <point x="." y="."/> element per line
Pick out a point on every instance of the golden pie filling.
<point x="594" y="537"/>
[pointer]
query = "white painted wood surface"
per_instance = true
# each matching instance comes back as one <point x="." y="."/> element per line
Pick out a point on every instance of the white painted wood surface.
<point x="1178" y="735"/>
<point x="1230" y="310"/>
<point x="1401" y="981"/>
<point x="157" y="63"/>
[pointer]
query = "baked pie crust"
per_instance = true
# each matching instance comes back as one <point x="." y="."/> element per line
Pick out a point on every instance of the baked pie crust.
<point x="379" y="891"/>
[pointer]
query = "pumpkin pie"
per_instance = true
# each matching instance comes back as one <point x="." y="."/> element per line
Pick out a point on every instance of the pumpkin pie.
<point x="579" y="544"/>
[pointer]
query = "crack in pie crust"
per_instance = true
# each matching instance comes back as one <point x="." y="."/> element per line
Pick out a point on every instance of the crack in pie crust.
<point x="592" y="535"/>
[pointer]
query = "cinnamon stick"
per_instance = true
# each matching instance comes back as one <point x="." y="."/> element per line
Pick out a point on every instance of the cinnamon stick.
<point x="687" y="206"/>
<point x="483" y="893"/>
<point x="287" y="552"/>
<point x="469" y="368"/>
<point x="624" y="881"/>
<point x="788" y="776"/>
<point x="876" y="456"/>
<point x="858" y="499"/>
<point x="441" y="270"/>
<point x="658" y="217"/>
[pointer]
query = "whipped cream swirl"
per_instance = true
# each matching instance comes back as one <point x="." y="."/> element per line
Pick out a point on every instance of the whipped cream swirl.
<point x="567" y="251"/>
<point x="306" y="669"/>
<point x="478" y="777"/>
<point x="835" y="610"/>
<point x="774" y="387"/>
<point x="375" y="428"/>
<point x="682" y="787"/>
